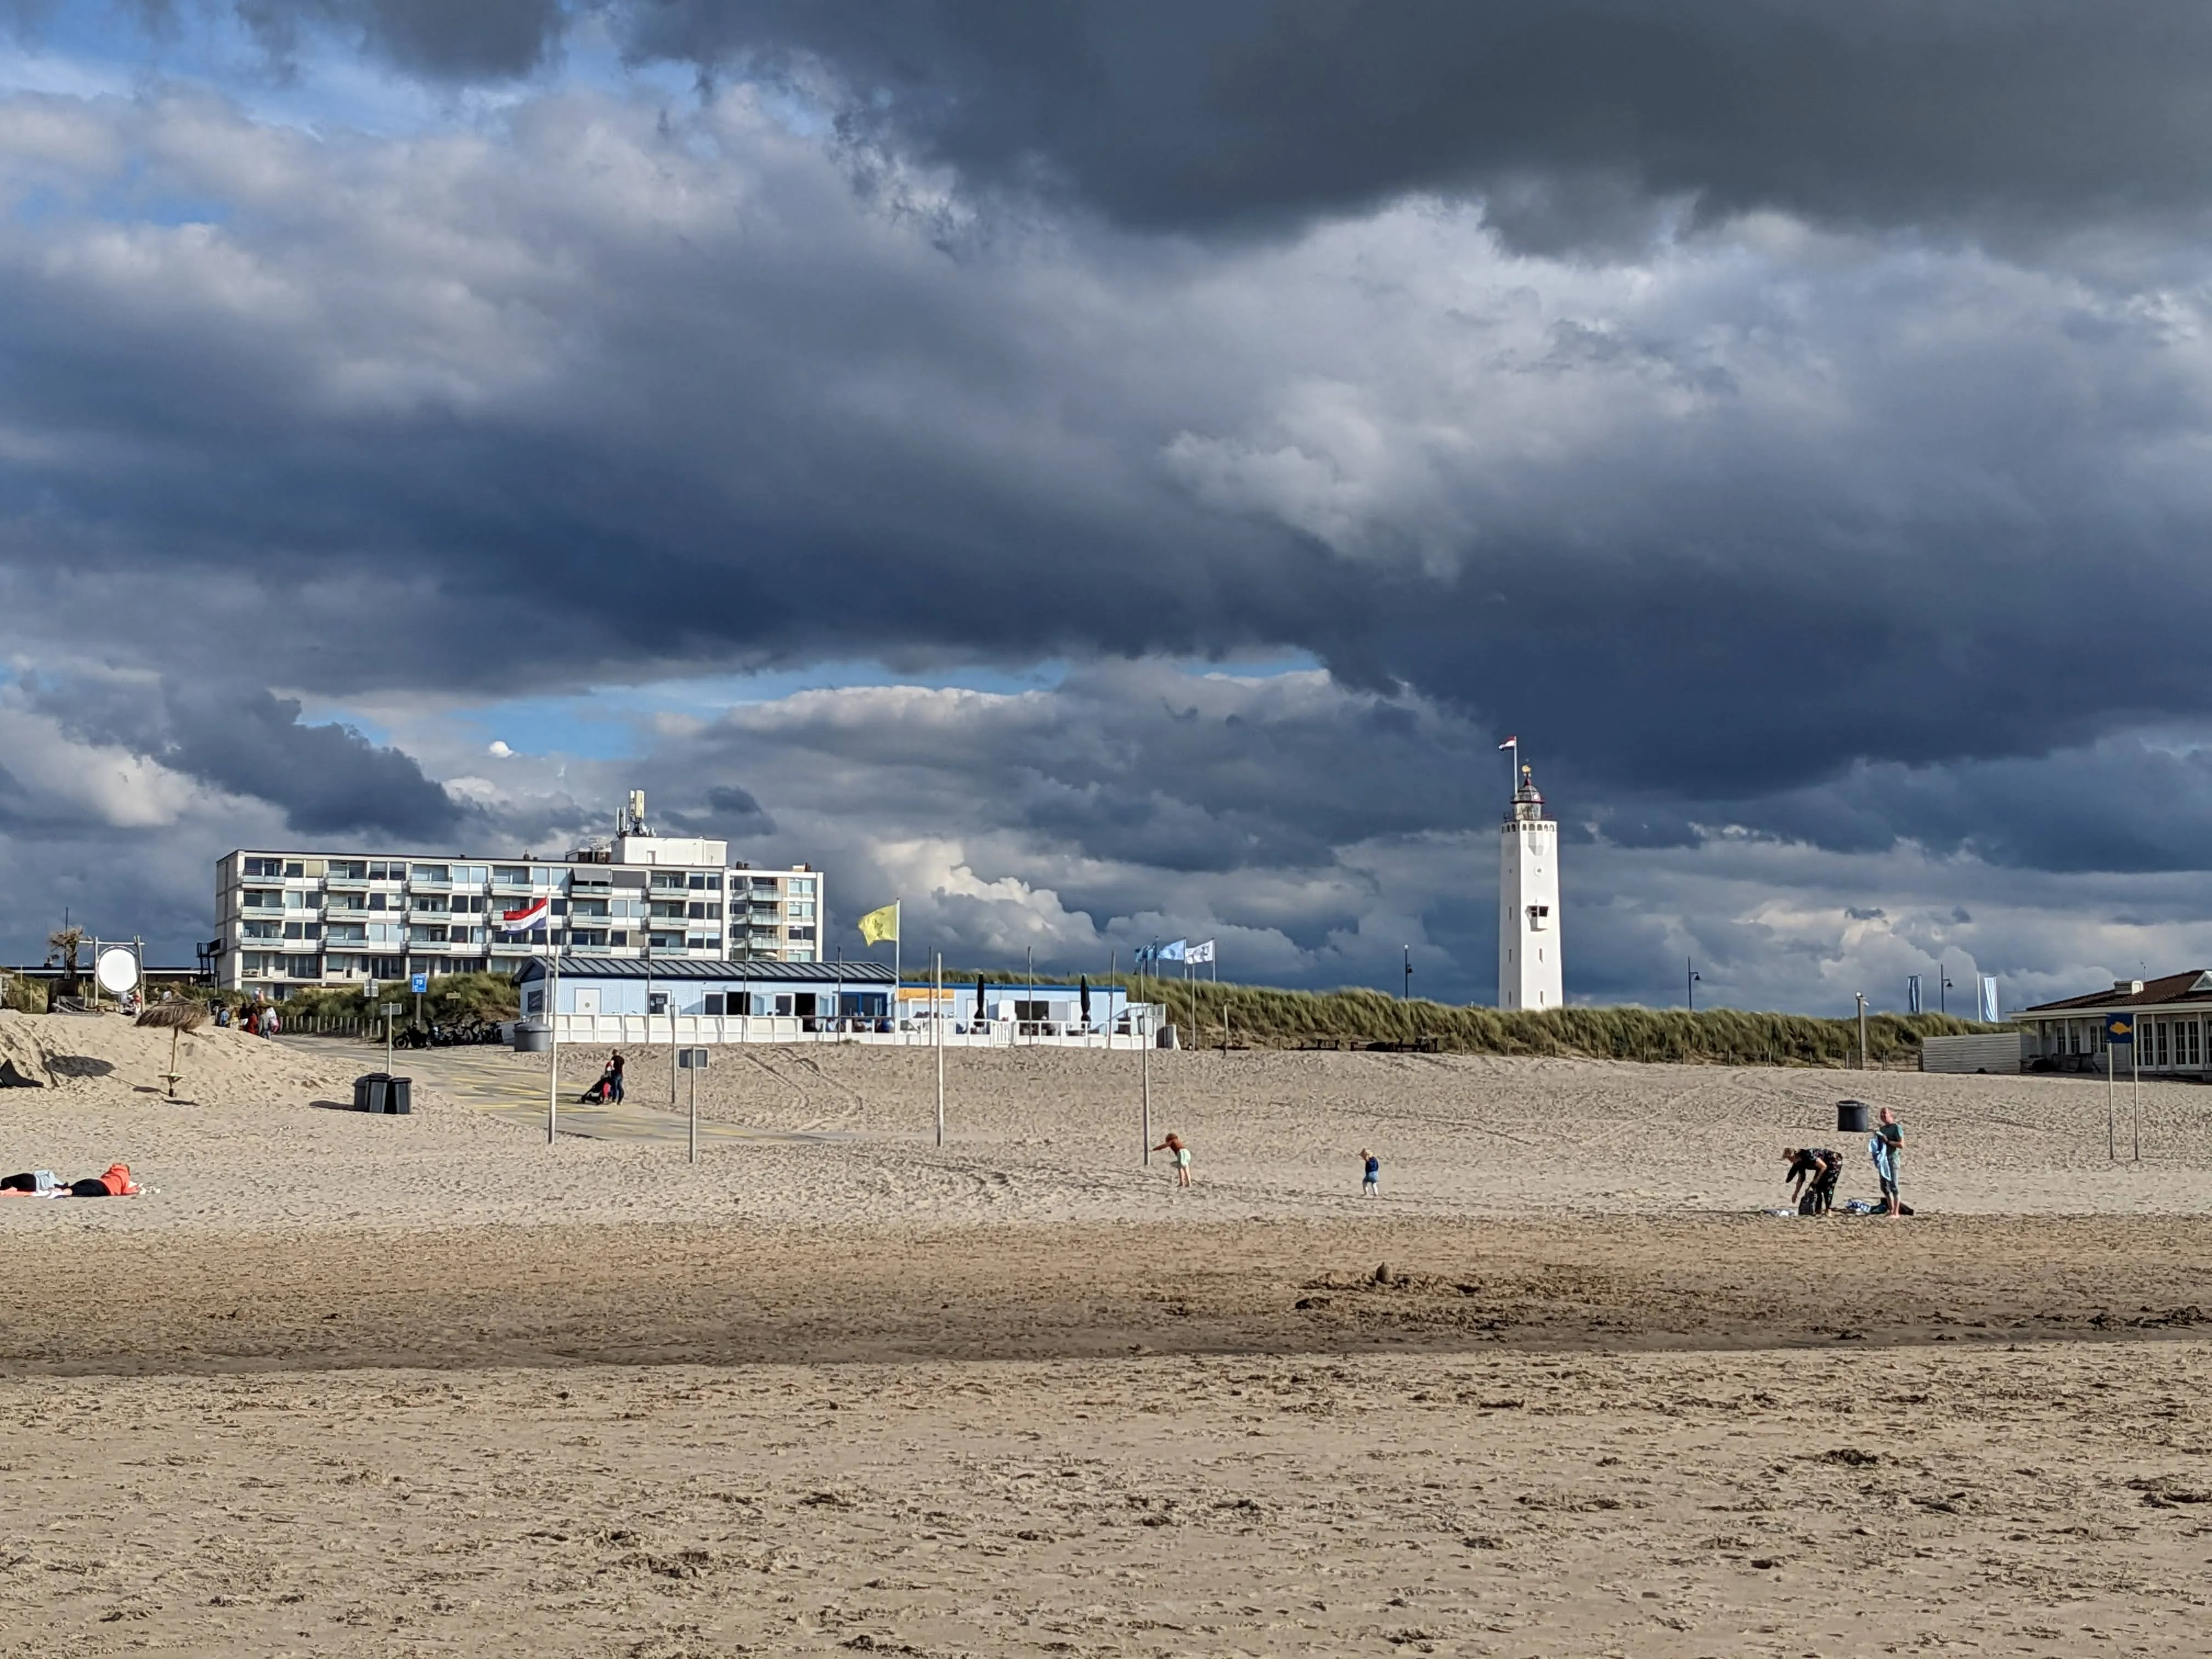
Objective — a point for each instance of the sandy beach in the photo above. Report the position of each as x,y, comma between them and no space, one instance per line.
358,1385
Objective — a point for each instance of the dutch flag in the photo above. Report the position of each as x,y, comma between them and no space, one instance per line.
531,915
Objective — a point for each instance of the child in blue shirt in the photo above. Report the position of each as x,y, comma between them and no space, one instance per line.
1371,1184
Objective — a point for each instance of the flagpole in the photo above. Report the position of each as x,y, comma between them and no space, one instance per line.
899,972
936,1028
553,1027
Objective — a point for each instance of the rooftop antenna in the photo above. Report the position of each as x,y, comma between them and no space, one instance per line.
632,819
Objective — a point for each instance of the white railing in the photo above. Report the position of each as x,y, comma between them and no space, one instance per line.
633,1029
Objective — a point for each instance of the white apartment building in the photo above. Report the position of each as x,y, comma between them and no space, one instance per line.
287,919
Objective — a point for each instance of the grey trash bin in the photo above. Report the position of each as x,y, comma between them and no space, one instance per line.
1170,1038
361,1088
532,1036
400,1095
1852,1117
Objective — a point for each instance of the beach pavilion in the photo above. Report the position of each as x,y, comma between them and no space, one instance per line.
2168,1017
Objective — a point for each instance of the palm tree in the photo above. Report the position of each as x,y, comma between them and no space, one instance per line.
61,946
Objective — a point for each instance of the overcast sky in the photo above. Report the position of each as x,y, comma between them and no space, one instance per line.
1117,470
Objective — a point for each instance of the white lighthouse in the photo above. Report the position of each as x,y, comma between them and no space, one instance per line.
1529,966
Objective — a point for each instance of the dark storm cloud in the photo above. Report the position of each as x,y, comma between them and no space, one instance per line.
1795,544
322,778
1577,121
442,41
1571,115
466,416
1139,763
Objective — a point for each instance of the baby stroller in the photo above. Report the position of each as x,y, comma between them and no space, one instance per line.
600,1092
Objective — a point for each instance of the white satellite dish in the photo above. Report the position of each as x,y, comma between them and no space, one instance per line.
117,970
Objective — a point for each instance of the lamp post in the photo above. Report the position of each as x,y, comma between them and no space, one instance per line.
1690,976
1406,992
1862,1036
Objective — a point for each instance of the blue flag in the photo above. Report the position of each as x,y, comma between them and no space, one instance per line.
1172,952
1912,993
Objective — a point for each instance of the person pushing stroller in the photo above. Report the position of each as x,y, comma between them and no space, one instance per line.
1814,1172
610,1085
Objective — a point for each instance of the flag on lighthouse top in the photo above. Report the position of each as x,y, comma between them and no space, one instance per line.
1511,743
533,914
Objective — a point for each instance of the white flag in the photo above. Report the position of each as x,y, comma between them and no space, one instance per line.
1202,952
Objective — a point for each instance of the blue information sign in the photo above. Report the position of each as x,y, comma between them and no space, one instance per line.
2119,1029
421,982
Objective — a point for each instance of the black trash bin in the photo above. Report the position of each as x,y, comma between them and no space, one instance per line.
384,1094
1852,1117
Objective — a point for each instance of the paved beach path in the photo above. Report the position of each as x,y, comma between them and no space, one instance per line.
486,1079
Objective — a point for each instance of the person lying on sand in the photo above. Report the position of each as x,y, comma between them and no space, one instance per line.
40,1183
1174,1144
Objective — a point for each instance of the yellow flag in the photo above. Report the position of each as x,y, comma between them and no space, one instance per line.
878,926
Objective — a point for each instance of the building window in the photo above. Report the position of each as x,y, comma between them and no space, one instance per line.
264,930
388,872
263,898
266,869
802,932
801,910
426,936
510,875
303,930
803,884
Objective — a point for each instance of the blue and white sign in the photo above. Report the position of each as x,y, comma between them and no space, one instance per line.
419,983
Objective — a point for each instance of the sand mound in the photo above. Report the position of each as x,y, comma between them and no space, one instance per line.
98,1051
